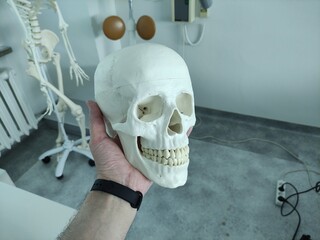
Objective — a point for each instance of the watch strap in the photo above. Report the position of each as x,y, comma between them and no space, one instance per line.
121,191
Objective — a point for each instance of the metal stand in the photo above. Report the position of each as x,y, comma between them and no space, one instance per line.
67,146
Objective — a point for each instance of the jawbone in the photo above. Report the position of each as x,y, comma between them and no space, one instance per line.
166,167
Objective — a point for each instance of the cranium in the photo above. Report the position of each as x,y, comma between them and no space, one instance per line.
145,94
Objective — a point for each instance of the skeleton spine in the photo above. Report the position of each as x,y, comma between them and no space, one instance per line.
35,30
30,19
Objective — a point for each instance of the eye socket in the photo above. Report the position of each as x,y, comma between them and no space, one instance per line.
184,104
150,109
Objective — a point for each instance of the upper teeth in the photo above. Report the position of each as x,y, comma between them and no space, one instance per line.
171,157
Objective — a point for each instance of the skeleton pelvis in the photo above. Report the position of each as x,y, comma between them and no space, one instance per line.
49,41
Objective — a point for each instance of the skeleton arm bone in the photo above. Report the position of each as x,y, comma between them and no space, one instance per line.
76,110
78,113
56,62
74,66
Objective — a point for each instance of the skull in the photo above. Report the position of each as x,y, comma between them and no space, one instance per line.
145,94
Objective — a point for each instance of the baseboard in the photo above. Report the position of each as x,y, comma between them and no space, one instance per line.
260,121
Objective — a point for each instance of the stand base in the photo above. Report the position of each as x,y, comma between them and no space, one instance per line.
67,147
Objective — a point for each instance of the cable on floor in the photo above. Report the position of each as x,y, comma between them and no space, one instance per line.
229,142
285,201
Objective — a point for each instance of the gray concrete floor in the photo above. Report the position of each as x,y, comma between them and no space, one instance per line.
230,192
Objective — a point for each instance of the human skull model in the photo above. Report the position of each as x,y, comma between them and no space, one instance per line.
145,94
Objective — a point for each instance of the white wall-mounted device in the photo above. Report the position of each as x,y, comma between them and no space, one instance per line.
183,10
188,10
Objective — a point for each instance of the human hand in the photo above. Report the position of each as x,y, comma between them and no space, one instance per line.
109,158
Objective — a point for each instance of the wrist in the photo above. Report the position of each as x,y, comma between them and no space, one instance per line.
134,198
108,214
130,182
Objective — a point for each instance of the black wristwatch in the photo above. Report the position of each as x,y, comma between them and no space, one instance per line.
116,189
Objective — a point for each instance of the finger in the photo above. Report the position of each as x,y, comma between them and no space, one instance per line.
97,127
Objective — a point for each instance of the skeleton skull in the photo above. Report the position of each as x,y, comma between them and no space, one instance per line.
146,96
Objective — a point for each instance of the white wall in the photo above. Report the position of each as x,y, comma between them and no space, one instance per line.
258,57
98,10
263,59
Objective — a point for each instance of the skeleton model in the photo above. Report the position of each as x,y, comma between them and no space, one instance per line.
39,45
146,96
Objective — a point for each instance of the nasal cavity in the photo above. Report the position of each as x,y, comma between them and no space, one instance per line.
175,125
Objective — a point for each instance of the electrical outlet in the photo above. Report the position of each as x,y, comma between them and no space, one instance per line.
280,193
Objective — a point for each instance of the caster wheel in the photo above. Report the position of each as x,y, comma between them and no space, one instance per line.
46,160
91,163
60,177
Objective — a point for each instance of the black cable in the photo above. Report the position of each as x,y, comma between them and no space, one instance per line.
305,237
286,200
294,206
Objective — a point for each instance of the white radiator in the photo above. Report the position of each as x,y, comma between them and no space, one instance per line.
16,115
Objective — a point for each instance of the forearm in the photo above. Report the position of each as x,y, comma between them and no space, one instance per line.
102,216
